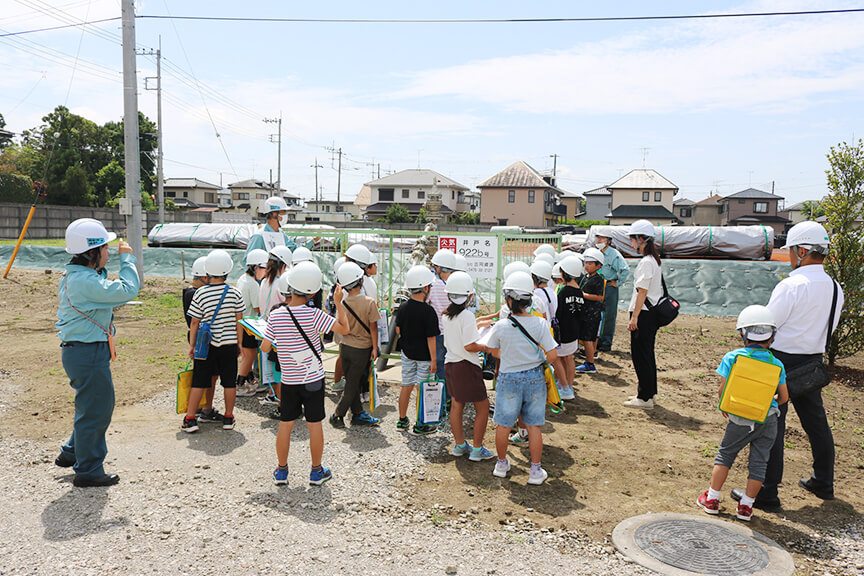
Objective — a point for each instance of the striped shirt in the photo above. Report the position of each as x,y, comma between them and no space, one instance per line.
298,362
224,326
438,300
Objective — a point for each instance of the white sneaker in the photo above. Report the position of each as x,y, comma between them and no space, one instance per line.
566,393
636,402
538,477
246,391
501,469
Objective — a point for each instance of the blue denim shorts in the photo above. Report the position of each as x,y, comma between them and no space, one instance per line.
414,371
521,393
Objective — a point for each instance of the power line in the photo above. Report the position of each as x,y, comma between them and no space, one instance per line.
50,28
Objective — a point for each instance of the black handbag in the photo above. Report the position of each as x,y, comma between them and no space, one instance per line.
813,374
666,309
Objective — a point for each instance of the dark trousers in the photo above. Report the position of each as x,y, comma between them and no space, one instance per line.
811,413
610,309
642,354
355,366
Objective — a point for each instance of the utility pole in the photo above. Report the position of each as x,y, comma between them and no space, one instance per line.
554,165
337,151
316,166
160,189
277,121
130,135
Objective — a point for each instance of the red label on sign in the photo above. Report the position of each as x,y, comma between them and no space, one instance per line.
447,243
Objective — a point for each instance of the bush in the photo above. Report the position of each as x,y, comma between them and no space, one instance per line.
586,223
15,188
397,214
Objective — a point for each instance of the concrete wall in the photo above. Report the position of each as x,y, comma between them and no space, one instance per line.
51,221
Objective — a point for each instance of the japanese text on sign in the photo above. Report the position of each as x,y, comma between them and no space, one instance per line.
481,252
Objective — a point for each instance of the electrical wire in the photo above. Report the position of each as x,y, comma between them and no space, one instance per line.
50,28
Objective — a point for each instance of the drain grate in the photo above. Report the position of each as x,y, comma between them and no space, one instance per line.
701,547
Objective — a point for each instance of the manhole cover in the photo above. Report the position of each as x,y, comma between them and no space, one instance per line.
700,547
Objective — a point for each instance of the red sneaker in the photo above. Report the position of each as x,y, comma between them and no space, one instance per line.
709,506
745,512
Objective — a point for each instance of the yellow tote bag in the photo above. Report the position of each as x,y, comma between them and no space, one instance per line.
750,388
553,398
184,386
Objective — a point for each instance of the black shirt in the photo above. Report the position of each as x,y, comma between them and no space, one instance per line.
570,304
592,285
417,321
188,293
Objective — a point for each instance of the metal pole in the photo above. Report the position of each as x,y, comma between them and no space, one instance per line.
130,135
279,159
160,191
339,178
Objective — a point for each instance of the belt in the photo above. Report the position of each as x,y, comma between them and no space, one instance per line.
77,343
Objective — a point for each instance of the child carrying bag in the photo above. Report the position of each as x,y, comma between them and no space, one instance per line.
553,398
430,401
184,387
205,331
750,387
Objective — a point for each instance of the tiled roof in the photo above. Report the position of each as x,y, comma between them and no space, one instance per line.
189,183
710,201
517,175
416,177
754,193
643,178
649,212
602,191
683,202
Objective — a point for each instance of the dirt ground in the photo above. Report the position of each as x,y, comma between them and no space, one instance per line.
605,462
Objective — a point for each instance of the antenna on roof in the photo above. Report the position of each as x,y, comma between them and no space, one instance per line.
645,151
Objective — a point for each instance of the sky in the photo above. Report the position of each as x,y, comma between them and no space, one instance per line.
714,105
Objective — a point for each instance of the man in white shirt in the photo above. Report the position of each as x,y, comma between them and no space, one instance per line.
801,304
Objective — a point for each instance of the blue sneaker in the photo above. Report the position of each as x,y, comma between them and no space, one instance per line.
566,393
480,453
318,477
280,476
365,419
586,368
461,449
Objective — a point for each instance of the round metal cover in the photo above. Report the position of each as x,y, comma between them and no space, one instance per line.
699,547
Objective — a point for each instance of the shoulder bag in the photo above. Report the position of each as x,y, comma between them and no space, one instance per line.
666,309
205,331
310,386
813,374
351,310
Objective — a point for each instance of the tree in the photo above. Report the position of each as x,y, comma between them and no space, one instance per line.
109,183
397,214
422,217
844,211
5,136
75,189
14,187
468,218
812,209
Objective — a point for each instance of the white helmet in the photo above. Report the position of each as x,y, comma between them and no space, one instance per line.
460,263
85,234
281,253
256,257
349,274
556,271
337,264
595,255
459,284
218,263
418,277
641,228
572,266
519,285
806,235
517,266
545,249
359,254
302,254
198,269
444,258
544,257
304,278
756,323
563,254
542,270
274,204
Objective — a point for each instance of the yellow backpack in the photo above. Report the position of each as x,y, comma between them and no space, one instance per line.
750,387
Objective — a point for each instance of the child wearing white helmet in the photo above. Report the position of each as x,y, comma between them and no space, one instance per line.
249,285
279,259
368,262
330,308
522,343
222,306
296,328
417,327
443,264
757,327
591,322
570,302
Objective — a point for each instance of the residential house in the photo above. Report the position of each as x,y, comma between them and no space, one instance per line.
249,196
752,207
363,199
684,211
598,203
331,211
468,202
795,213
574,204
191,193
642,194
521,196
709,212
411,188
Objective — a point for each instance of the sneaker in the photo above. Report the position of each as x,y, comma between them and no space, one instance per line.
275,414
64,460
639,403
365,419
424,429
337,421
280,476
580,352
710,506
767,504
246,390
461,449
261,387
270,400
566,393
211,415
402,423
318,477
606,349
537,477
744,513
339,386
227,422
597,354
501,468
586,368
480,453
189,425
518,440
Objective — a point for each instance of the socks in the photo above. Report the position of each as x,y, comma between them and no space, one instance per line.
713,494
282,467
535,466
747,501
502,462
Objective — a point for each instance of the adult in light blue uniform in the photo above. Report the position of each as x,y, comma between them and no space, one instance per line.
615,271
85,324
271,235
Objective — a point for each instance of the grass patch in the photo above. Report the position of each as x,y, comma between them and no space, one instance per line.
709,449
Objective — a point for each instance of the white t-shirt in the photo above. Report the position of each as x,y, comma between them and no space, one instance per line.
546,302
647,276
517,352
458,333
370,288
268,297
250,290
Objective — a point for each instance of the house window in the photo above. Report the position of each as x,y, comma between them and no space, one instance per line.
658,196
340,208
385,194
170,194
609,204
406,193
740,201
646,196
327,208
452,194
721,208
502,221
421,195
530,196
760,207
210,197
261,196
686,212
511,197
241,196
185,194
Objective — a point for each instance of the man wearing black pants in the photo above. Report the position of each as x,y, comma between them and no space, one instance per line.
802,307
